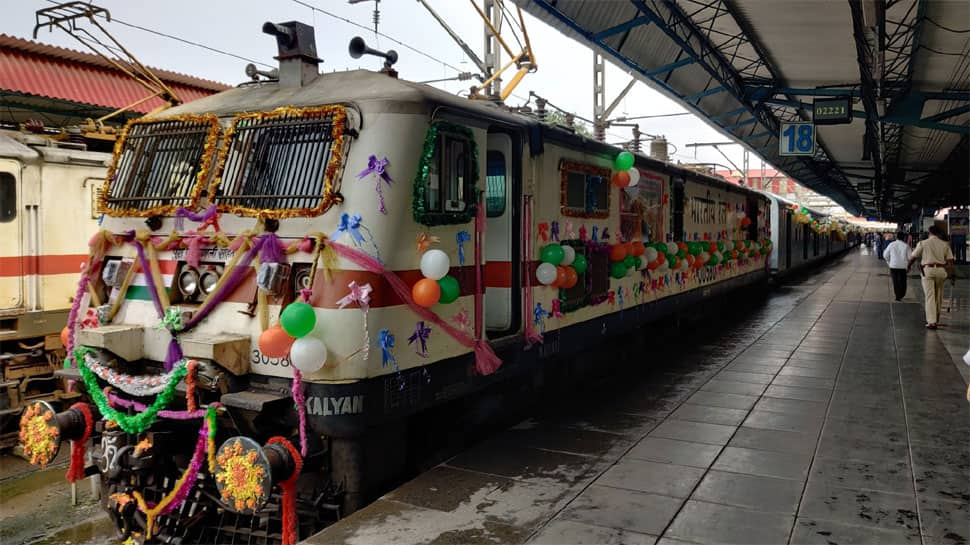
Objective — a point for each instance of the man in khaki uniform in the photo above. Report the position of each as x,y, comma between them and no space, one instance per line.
936,261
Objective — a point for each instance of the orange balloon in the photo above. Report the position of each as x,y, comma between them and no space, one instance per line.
618,252
426,292
661,257
571,278
561,277
637,248
64,334
734,254
682,246
621,179
275,343
653,264
712,246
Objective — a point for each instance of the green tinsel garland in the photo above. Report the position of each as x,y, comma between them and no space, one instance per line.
423,216
130,423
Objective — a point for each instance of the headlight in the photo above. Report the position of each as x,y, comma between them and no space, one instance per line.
208,281
188,281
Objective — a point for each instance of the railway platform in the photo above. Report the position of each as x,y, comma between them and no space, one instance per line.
827,415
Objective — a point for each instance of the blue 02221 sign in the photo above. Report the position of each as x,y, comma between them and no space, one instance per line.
796,139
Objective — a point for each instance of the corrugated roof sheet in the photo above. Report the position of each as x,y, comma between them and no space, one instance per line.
43,70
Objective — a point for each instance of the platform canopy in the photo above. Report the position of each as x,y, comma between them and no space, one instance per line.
900,67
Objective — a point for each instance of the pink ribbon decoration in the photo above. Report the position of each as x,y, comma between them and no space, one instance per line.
612,297
462,319
582,233
193,244
360,295
377,166
570,234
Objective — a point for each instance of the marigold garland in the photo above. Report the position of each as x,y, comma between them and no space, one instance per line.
39,438
208,152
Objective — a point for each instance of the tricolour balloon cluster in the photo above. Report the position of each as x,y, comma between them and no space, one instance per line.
293,339
561,266
626,257
626,174
437,286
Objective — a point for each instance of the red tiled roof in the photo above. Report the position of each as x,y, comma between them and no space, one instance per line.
55,72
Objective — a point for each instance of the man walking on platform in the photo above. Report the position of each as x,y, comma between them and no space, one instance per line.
936,261
897,256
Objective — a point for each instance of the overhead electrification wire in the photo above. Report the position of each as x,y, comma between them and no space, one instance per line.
381,34
183,40
953,30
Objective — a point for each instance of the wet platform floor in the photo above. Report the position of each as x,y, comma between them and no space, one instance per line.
826,415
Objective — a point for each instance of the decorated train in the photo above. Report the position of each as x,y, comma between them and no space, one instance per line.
289,270
802,237
48,187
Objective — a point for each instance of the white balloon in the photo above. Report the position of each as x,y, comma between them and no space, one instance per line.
672,248
634,177
705,257
546,274
308,354
435,264
650,254
568,255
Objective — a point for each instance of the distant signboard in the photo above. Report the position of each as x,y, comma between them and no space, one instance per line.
832,111
796,139
959,222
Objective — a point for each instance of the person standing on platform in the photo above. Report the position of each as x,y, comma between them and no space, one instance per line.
897,257
936,262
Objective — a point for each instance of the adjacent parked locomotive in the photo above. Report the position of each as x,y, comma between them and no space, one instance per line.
47,192
292,268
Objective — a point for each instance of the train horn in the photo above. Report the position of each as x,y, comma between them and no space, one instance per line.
358,48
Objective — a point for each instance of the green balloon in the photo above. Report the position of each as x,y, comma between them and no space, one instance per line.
629,261
747,244
450,290
618,269
580,264
681,254
298,319
720,246
637,262
624,161
552,254
713,260
695,249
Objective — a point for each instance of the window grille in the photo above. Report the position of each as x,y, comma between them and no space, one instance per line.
284,160
158,168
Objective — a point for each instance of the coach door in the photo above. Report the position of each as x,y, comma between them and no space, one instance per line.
503,160
13,267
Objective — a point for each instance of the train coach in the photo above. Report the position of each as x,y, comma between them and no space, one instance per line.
803,237
288,270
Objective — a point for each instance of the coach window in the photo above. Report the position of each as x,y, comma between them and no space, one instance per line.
8,197
444,189
495,184
585,190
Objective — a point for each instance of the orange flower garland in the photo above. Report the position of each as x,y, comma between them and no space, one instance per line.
241,477
38,435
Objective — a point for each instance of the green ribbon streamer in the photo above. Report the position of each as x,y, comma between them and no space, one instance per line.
136,423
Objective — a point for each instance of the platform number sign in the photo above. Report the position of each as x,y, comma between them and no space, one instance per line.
796,139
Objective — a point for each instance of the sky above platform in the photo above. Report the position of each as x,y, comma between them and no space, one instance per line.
564,76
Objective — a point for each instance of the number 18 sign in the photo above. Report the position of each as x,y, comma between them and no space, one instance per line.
796,139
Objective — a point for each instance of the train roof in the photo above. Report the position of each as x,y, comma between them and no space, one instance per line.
376,91
30,147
